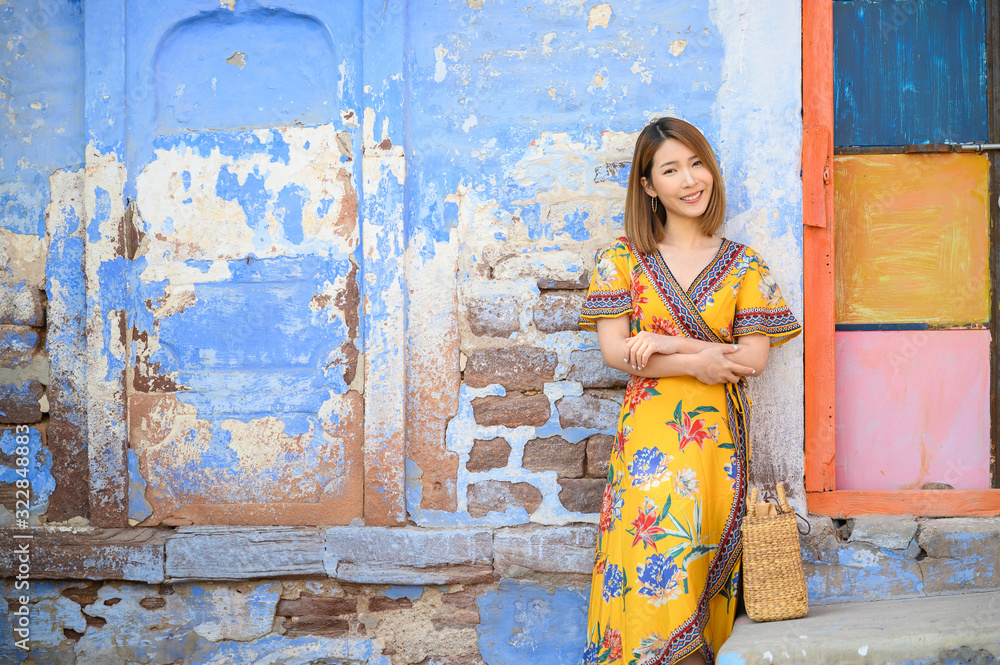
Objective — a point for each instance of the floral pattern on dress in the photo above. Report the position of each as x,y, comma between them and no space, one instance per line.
659,579
606,273
614,582
686,483
649,468
665,326
611,508
639,389
638,299
769,292
691,429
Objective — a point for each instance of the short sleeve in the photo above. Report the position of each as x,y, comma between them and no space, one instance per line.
609,295
760,308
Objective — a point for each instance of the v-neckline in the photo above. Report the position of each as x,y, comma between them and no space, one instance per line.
689,291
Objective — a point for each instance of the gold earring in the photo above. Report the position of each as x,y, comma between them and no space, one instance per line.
654,204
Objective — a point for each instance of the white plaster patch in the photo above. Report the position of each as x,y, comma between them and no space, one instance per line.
546,41
677,47
469,123
863,651
440,69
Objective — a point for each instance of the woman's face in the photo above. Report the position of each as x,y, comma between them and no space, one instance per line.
680,180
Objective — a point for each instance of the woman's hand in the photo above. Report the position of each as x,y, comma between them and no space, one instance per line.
638,349
712,366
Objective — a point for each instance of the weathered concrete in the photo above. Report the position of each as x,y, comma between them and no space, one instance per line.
376,555
890,531
921,631
568,549
240,553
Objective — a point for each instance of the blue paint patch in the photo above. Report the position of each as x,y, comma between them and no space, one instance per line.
294,651
450,215
37,471
533,624
252,196
412,592
42,92
324,206
138,507
102,212
574,226
186,179
17,346
288,210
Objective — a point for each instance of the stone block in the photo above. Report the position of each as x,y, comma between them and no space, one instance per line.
599,455
240,553
589,369
555,454
511,410
21,306
498,495
890,531
493,316
821,544
310,604
827,584
87,553
877,574
513,367
558,311
565,549
486,455
19,402
963,554
582,495
407,555
558,269
589,411
17,345
958,537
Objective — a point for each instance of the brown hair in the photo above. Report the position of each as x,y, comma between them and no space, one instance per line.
643,227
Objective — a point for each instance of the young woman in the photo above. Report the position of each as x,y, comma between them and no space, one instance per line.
688,315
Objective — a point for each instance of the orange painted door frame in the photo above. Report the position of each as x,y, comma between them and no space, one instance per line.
818,280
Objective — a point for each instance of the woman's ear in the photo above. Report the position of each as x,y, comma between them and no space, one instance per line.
648,187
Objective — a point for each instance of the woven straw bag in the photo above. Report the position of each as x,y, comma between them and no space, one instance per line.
774,585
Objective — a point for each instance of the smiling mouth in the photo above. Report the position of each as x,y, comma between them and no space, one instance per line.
692,198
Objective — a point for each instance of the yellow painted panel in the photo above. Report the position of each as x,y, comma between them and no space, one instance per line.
912,238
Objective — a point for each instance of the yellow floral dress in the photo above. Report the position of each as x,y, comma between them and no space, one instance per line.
668,553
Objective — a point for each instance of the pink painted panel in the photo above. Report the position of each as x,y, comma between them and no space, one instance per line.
913,407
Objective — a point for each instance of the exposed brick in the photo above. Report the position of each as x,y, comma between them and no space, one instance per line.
384,604
599,455
566,549
486,455
554,454
496,316
513,367
17,345
589,369
317,625
511,410
582,495
588,411
19,402
499,495
557,311
22,306
458,610
309,604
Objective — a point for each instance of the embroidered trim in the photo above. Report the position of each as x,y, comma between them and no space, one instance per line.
768,321
716,272
605,304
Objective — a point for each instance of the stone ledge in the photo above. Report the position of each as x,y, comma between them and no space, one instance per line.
241,553
564,549
409,555
86,553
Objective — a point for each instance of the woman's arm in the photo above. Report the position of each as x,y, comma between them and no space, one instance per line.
754,350
710,364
